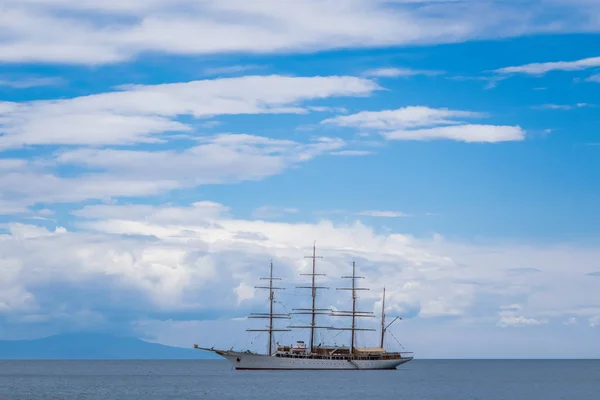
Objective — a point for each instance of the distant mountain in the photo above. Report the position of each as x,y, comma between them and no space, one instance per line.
81,346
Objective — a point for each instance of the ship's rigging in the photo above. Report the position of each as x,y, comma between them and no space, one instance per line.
313,312
323,356
354,314
270,315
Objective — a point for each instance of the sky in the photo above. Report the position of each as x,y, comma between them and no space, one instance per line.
156,156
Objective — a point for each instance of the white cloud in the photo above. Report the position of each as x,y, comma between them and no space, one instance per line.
222,158
225,158
381,213
25,83
95,32
340,110
231,69
139,113
399,72
491,81
594,321
196,213
562,106
543,68
407,117
351,153
508,321
403,124
594,78
510,317
463,133
244,292
171,261
554,107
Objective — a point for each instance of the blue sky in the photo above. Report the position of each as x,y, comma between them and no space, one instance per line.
157,154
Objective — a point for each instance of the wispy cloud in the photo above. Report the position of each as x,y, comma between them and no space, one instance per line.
594,78
340,110
407,117
84,32
210,124
463,133
25,83
523,271
351,153
519,321
543,68
562,106
270,212
218,159
144,113
231,69
382,214
399,72
491,81
424,123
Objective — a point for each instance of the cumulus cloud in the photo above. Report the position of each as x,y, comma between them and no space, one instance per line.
141,113
97,32
424,123
169,262
152,269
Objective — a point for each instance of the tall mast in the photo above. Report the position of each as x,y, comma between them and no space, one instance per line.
382,317
271,316
354,314
271,298
353,304
384,327
312,311
314,297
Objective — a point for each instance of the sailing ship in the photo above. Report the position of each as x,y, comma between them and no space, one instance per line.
316,357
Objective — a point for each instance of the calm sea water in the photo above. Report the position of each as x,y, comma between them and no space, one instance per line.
418,380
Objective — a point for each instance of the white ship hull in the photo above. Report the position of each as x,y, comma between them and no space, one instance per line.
252,361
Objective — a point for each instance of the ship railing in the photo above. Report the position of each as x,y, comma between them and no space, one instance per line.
381,356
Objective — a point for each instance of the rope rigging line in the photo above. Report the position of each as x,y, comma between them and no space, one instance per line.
397,341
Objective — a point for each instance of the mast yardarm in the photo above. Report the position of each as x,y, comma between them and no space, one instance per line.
354,313
270,315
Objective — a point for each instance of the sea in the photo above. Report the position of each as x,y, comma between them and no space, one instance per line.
215,379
